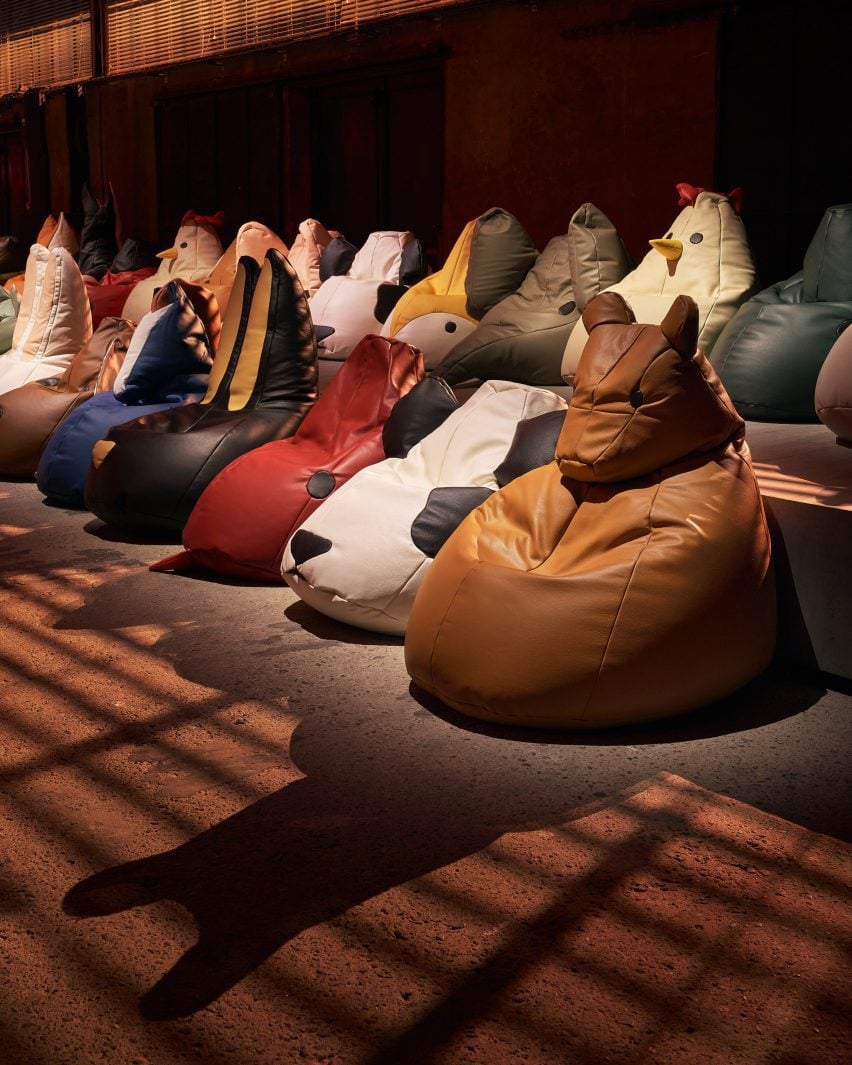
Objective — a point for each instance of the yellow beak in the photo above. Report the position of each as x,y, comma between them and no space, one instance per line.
169,253
669,249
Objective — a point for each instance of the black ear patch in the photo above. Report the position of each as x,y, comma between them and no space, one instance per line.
413,266
387,297
307,545
321,484
445,510
336,258
322,332
417,414
533,445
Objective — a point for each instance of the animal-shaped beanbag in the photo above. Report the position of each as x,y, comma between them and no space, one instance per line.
346,307
8,317
246,515
361,556
195,252
98,246
54,233
631,578
167,362
705,255
29,414
490,259
522,337
305,253
253,239
833,396
150,472
54,320
771,352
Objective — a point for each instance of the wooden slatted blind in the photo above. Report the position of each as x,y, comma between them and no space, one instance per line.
149,33
44,43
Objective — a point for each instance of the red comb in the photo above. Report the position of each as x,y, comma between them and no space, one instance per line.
214,220
688,194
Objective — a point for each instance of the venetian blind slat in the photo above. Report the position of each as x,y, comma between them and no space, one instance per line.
44,43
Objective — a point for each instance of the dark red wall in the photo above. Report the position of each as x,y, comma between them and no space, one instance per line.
542,106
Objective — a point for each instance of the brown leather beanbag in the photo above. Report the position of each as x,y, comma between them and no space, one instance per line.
631,578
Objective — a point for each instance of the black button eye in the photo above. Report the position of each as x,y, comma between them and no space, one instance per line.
185,244
568,307
636,398
696,238
669,236
450,327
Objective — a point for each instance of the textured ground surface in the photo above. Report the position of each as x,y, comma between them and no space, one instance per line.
231,834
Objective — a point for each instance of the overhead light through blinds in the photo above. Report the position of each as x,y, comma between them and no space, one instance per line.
151,33
44,43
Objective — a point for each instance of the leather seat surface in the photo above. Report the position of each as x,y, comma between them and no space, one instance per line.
374,561
628,579
771,352
151,472
243,519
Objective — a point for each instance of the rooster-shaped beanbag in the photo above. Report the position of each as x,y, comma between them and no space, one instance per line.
54,320
195,252
347,306
150,472
522,337
490,259
29,414
361,556
705,255
247,514
770,355
167,362
629,579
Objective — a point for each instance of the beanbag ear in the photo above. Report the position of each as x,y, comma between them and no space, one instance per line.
827,269
501,255
167,343
413,266
306,252
596,254
54,319
336,258
680,326
97,241
416,415
609,308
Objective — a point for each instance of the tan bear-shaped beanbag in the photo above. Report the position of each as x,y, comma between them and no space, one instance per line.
705,255
631,578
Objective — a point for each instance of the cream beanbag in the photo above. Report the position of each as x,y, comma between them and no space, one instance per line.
346,304
54,320
360,557
705,254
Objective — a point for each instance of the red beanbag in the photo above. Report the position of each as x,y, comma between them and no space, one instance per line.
107,297
246,515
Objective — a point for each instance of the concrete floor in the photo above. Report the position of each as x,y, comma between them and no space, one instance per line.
274,781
